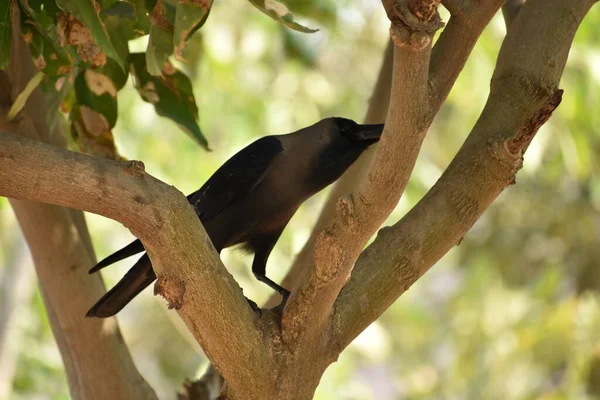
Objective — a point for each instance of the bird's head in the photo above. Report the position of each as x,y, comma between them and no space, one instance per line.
340,142
356,133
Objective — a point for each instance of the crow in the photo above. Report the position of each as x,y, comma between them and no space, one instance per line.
250,199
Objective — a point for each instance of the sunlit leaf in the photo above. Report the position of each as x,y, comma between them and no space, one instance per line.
171,94
22,97
5,33
85,11
281,13
190,15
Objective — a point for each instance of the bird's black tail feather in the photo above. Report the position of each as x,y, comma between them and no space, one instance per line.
137,279
127,251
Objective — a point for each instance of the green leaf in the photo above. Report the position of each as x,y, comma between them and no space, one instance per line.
171,95
120,20
85,12
98,92
142,25
48,56
5,33
170,7
160,43
91,134
280,12
107,3
95,111
150,4
160,47
115,73
43,12
190,15
39,29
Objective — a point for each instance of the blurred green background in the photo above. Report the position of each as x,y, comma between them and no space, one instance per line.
511,313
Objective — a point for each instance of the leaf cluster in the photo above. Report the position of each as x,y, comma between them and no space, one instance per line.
82,48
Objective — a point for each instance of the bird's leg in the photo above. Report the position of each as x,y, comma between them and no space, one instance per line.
285,294
259,267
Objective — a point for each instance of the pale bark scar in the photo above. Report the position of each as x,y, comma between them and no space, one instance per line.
171,290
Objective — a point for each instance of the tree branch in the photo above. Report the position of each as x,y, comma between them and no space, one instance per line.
452,49
339,244
62,253
376,112
448,58
190,273
523,95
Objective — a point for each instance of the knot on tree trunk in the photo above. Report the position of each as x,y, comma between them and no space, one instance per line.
519,143
414,23
425,10
135,168
509,151
172,290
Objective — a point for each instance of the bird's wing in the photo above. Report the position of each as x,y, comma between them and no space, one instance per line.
236,178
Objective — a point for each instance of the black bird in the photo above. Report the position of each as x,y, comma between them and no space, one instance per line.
251,198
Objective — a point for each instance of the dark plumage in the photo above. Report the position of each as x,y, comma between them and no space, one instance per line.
250,199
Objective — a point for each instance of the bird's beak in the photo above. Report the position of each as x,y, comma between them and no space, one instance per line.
370,133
